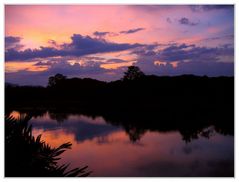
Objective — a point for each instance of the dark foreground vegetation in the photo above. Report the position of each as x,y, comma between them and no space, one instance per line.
29,156
137,102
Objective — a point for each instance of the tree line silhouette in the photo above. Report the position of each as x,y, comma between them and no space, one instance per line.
135,90
138,102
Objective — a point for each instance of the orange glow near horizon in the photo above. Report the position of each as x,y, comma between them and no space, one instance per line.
113,36
17,66
116,65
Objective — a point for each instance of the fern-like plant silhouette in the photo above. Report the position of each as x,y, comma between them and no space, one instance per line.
29,156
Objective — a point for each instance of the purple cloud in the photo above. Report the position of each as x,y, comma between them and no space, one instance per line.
202,8
185,52
219,38
79,46
12,42
28,54
169,20
110,61
130,31
186,21
54,44
191,52
190,59
89,68
199,68
101,34
40,63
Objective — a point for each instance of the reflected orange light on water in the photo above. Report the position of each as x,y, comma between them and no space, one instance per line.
56,138
108,150
111,150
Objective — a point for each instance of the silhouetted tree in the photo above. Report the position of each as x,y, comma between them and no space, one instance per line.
133,73
54,80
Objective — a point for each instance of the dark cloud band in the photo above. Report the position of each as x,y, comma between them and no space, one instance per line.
79,46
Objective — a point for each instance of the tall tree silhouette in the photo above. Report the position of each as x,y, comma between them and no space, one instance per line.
133,73
54,80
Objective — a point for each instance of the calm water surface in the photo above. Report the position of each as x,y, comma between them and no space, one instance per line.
109,151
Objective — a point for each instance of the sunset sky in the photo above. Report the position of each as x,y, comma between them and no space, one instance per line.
100,41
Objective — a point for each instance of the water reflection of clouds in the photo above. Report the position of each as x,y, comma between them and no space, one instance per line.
153,158
47,117
82,127
108,151
201,157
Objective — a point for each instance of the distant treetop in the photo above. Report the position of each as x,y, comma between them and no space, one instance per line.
133,73
53,80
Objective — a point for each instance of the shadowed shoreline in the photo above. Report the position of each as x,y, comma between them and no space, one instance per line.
137,102
192,105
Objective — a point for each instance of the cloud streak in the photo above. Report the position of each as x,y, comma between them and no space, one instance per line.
130,31
102,35
79,46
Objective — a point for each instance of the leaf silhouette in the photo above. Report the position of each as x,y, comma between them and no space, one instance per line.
27,155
